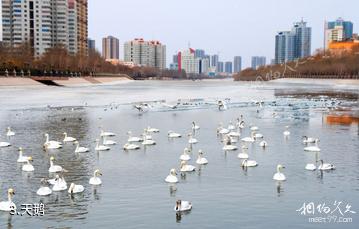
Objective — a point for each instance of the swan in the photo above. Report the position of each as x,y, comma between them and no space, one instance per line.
4,144
133,139
229,147
54,168
108,142
240,123
80,149
257,135
249,139
222,106
201,160
60,184
8,205
310,167
130,146
152,130
28,167
68,139
308,140
95,180
185,156
51,144
325,166
279,176
222,130
286,133
314,148
147,141
186,168
9,132
107,134
172,177
21,158
172,134
44,190
192,140
75,188
182,206
243,154
101,147
263,144
195,127
249,163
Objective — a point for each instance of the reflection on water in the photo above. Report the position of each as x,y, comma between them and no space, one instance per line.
134,194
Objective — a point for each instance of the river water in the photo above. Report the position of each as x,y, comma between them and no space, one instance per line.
133,193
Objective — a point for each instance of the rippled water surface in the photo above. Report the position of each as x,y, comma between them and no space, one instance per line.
134,194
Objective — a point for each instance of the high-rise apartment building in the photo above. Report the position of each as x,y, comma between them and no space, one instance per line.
45,24
110,48
337,31
145,53
258,61
294,44
228,67
214,60
91,44
220,67
237,64
200,53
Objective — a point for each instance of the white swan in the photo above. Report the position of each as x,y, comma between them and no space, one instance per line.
60,184
249,139
80,149
152,130
263,144
222,130
185,156
172,177
222,105
95,180
249,163
191,139
9,132
243,154
308,140
231,126
54,168
310,167
28,167
201,160
101,147
172,134
74,188
286,133
68,139
195,127
325,166
108,142
44,190
133,139
254,128
279,176
257,135
107,134
130,146
4,144
8,205
147,141
21,158
314,148
186,168
51,144
182,206
240,123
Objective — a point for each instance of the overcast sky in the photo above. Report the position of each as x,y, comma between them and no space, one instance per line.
227,27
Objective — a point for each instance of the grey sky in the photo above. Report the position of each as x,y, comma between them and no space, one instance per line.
227,27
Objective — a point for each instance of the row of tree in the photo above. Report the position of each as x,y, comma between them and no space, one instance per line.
57,61
320,65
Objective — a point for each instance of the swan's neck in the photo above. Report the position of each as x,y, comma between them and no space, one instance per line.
278,170
51,163
9,197
97,144
65,135
47,138
77,146
95,175
28,162
20,153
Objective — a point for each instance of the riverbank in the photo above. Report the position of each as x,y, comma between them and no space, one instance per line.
67,82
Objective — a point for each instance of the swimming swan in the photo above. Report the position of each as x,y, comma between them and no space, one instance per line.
191,139
60,184
172,177
249,163
201,160
325,166
28,167
68,139
101,147
75,188
286,133
9,132
44,190
133,139
54,168
185,156
95,180
108,142
8,205
172,134
21,158
279,176
186,168
314,148
80,149
182,206
51,144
